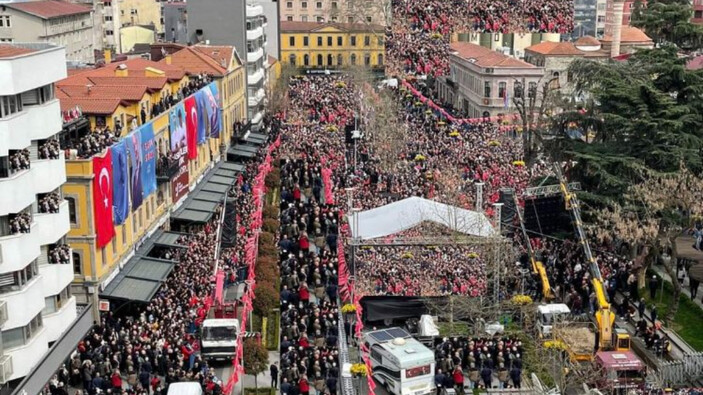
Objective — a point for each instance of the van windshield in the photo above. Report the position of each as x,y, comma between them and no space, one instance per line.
218,333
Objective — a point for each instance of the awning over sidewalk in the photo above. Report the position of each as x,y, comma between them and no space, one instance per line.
168,239
239,151
202,203
139,280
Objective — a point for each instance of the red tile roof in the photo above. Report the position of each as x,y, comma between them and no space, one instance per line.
272,60
10,51
123,92
293,26
90,106
485,57
220,53
587,41
173,73
630,34
152,83
48,9
195,62
695,63
555,49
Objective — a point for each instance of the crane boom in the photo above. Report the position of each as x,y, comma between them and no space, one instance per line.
537,266
604,316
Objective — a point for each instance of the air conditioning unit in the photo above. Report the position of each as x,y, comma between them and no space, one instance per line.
3,313
5,368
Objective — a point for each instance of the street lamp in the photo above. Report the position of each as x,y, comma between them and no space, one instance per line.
356,135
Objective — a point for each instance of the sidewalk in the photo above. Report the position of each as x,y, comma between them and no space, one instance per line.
264,379
661,272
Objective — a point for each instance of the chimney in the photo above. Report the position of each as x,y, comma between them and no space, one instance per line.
617,27
168,59
121,71
108,56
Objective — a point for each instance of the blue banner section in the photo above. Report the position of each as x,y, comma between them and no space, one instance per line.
201,101
213,113
120,188
148,159
134,149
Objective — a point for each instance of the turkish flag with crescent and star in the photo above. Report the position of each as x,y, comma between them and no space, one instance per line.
102,199
192,127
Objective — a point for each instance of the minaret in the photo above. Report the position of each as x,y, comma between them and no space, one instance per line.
617,27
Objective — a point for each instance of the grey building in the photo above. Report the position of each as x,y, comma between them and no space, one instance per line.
272,14
585,16
175,22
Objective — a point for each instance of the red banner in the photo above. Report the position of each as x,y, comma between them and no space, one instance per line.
102,199
191,127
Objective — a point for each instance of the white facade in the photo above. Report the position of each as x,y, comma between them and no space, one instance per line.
35,302
256,62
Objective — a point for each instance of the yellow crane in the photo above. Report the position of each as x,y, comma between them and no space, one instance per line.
537,266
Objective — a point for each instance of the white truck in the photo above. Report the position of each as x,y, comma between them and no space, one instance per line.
401,363
218,338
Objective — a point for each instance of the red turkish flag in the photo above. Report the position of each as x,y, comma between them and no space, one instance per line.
102,199
191,127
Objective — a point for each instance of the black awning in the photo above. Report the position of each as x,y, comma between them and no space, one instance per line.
236,167
240,153
136,289
212,187
194,217
140,278
169,239
201,204
248,148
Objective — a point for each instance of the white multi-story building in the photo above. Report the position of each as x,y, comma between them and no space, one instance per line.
256,63
36,270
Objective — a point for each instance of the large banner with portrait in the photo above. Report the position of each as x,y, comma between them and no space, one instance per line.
120,185
148,159
212,99
179,149
134,150
201,102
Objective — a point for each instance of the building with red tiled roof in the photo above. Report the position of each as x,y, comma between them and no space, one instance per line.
37,21
631,39
483,82
11,51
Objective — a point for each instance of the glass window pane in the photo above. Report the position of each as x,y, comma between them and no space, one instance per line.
49,305
13,338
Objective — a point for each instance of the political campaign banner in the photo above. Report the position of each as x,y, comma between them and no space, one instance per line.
201,101
179,149
134,150
102,199
213,109
148,159
120,184
191,126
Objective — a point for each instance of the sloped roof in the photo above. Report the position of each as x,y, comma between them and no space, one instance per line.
630,34
152,83
294,26
90,106
485,57
587,41
555,49
219,53
408,213
123,92
48,9
194,62
10,51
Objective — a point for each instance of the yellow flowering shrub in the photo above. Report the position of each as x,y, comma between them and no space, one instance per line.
454,133
521,300
420,157
519,163
555,345
348,308
358,369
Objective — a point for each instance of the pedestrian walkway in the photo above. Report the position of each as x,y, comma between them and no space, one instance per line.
661,272
264,379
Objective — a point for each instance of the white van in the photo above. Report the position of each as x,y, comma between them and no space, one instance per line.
218,338
185,388
400,362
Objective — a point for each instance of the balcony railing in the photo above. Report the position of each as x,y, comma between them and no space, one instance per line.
5,368
3,313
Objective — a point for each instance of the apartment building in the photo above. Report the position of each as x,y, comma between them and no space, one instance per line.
697,12
482,82
611,12
175,22
376,12
331,45
37,307
50,21
585,18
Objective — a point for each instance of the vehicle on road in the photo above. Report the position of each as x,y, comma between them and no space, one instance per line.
218,338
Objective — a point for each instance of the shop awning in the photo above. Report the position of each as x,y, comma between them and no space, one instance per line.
255,138
190,216
169,239
139,280
201,204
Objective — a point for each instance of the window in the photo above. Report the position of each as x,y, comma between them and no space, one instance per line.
350,19
289,18
380,40
319,41
306,60
20,336
291,41
304,4
353,59
319,60
108,18
291,59
10,105
306,41
353,41
77,267
486,89
517,90
304,18
329,41
5,21
133,11
367,41
318,5
368,19
502,89
289,4
124,235
334,19
340,41
698,14
367,60
334,5
113,243
320,19
380,59
532,90
108,32
72,216
340,60
14,281
330,59
49,305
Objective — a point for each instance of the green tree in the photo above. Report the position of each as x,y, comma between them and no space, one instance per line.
256,359
266,298
668,21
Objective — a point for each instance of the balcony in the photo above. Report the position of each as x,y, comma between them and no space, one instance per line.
55,278
5,368
23,194
3,314
61,320
24,304
255,99
252,57
17,250
165,170
48,174
253,79
24,358
44,119
255,33
50,228
13,132
254,10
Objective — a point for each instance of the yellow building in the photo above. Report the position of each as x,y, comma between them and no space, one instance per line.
131,35
225,66
331,45
140,12
125,96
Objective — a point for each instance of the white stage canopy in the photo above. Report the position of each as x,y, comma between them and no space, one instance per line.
408,213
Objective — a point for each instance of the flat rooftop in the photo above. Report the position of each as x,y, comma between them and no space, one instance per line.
11,51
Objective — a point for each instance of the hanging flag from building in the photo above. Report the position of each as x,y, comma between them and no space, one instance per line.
148,159
201,101
134,149
506,99
213,110
120,186
102,199
191,126
179,149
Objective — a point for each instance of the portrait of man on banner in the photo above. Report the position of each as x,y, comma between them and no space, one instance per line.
179,148
177,126
201,101
213,110
134,149
148,159
120,185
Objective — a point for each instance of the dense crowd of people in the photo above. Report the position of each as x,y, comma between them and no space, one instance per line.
418,38
50,149
49,203
60,254
90,144
20,223
19,160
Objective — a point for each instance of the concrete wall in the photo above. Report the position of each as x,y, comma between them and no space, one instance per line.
222,22
175,24
272,28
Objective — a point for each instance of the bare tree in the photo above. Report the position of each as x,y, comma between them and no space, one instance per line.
361,10
277,91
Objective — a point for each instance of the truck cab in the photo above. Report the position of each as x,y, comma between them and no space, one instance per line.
218,338
548,315
622,371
